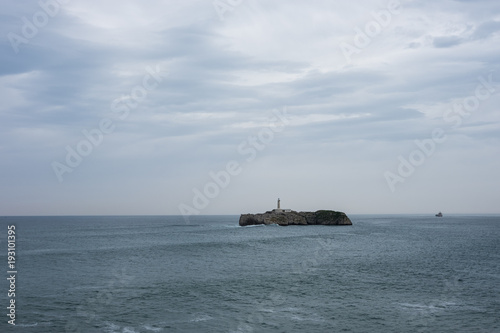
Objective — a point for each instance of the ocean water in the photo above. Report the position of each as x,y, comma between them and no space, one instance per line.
395,273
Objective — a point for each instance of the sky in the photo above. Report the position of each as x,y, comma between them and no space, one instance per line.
222,107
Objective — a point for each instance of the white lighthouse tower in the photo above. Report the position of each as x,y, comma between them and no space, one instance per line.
279,210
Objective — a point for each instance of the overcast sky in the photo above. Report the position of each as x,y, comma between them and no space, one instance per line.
319,103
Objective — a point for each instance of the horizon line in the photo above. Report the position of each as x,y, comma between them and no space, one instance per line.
179,215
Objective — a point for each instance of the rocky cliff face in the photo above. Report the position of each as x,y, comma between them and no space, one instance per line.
321,217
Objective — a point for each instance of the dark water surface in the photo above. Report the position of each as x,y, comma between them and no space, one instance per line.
403,273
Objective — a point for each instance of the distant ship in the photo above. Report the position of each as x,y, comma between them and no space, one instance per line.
439,214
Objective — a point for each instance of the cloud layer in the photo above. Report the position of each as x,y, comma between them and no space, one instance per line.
360,82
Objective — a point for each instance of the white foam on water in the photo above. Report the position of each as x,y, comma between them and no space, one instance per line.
295,317
267,310
243,328
419,307
111,328
429,308
114,328
151,328
129,330
27,325
202,317
301,314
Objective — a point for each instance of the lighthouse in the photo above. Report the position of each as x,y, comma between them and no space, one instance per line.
279,210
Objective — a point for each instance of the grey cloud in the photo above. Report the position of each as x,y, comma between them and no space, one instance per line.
447,41
486,29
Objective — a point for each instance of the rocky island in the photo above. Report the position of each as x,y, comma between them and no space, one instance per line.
285,217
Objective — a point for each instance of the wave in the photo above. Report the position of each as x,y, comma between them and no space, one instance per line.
184,225
429,307
114,328
27,325
201,317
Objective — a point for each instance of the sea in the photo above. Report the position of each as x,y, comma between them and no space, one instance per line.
131,274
